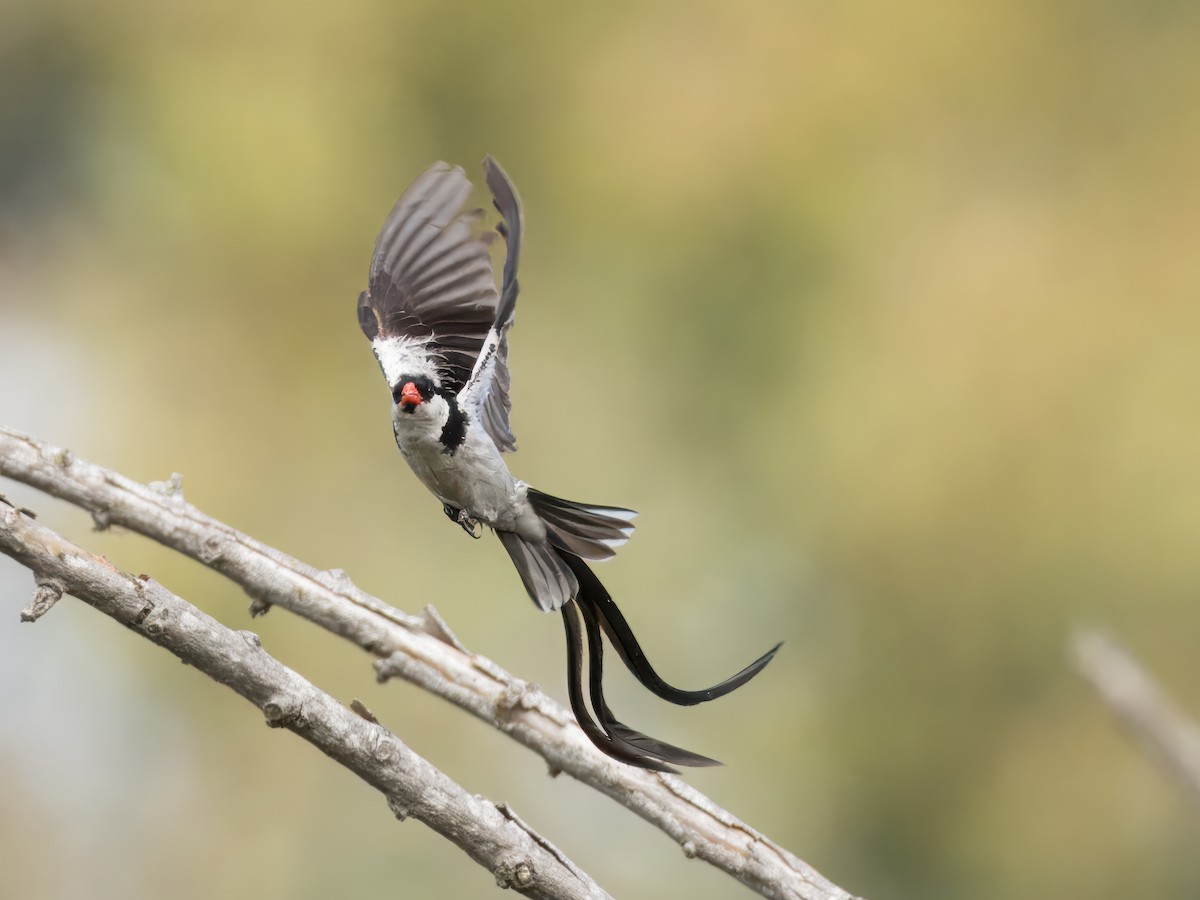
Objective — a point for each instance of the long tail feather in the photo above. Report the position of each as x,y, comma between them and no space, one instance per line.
615,747
616,729
556,576
611,620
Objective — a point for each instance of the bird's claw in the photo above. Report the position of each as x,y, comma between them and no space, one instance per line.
464,520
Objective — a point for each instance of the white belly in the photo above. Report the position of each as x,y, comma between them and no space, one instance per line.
474,478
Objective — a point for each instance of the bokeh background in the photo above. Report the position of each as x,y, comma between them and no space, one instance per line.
883,316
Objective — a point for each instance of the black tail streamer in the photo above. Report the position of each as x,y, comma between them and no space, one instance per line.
615,746
592,593
595,610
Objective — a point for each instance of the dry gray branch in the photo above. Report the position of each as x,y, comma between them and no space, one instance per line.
421,650
491,835
1158,724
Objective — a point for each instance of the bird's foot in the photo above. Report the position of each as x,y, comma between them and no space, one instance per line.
464,520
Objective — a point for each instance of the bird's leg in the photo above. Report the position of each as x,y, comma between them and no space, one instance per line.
464,520
470,524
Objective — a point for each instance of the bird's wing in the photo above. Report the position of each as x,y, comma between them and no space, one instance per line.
486,391
431,299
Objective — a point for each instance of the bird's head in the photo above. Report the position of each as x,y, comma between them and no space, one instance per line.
410,391
416,399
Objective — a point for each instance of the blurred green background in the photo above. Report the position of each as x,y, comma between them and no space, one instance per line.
884,317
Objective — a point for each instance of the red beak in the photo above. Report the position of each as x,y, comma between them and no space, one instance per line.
410,397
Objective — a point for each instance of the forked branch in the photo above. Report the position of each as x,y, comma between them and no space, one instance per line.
421,650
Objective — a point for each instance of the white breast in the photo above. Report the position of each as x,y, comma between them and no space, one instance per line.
474,478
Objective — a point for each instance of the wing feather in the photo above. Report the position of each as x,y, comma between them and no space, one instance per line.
432,305
431,294
488,387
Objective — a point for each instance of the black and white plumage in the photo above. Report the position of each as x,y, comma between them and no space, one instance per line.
439,329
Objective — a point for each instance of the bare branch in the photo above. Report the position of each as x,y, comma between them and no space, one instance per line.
422,651
1154,720
492,836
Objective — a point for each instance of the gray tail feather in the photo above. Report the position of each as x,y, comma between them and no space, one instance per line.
547,578
582,529
578,529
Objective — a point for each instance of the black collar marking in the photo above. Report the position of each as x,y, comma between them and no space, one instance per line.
455,430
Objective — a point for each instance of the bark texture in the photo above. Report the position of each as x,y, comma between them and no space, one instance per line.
423,651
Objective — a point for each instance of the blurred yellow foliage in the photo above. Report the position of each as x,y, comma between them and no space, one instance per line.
883,316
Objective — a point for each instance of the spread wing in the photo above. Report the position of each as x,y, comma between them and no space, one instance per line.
487,389
431,301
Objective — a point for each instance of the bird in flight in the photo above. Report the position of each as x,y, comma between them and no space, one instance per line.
439,329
